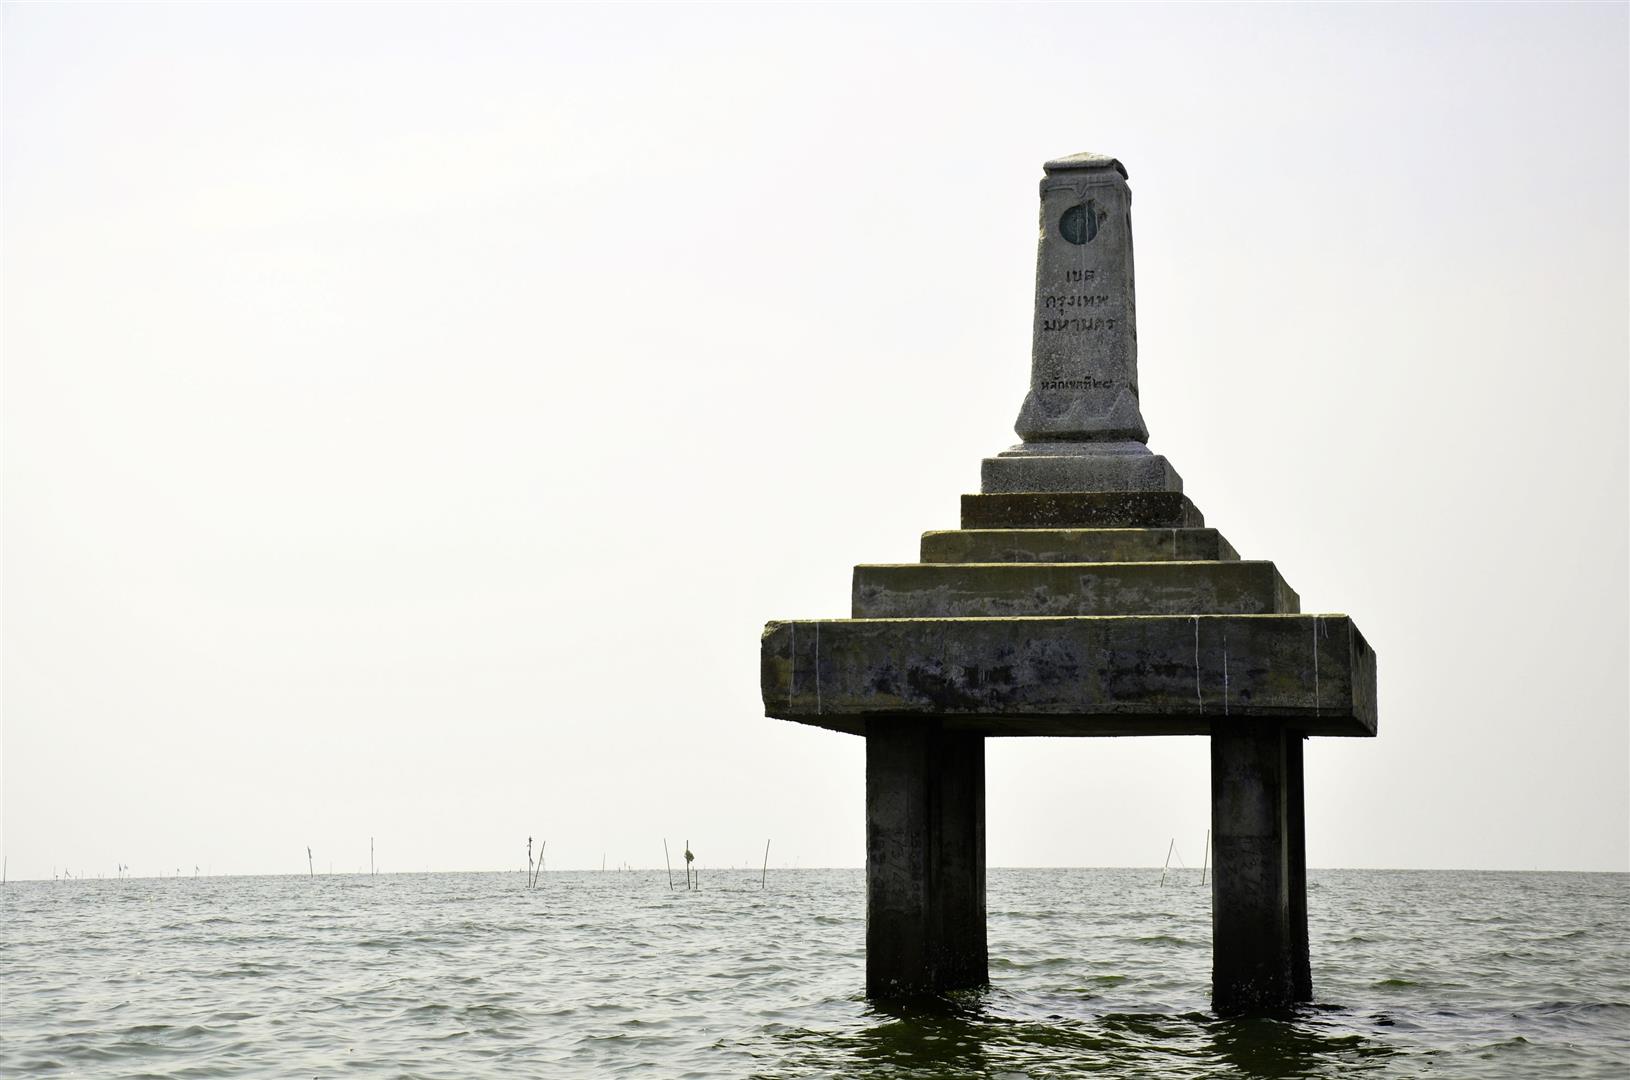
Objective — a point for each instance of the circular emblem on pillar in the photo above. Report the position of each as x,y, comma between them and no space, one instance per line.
1079,223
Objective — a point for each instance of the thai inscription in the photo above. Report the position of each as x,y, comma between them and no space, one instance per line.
1074,300
1066,312
1089,382
1077,326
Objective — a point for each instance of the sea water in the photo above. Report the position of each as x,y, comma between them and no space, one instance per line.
1416,973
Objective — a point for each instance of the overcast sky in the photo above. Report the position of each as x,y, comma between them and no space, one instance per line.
413,414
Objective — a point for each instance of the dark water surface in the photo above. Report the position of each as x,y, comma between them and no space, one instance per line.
1442,974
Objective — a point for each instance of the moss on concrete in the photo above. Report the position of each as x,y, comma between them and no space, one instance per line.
1075,545
913,590
1081,510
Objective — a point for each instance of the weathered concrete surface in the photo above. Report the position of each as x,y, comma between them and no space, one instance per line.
972,590
1075,545
1081,510
1081,466
1259,953
1134,675
1084,349
925,859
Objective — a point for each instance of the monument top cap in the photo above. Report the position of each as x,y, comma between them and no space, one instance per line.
1085,160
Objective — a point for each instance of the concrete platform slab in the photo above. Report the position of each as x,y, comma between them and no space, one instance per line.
972,590
1076,467
1081,510
1074,545
1078,676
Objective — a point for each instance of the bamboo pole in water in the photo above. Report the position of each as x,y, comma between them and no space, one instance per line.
1205,860
1168,861
310,872
668,863
764,875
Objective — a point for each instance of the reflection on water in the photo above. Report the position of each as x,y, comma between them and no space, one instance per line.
1093,971
1307,1045
993,1034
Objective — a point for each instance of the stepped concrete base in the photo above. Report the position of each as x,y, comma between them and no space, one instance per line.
925,860
1075,545
1074,613
971,590
1081,510
1083,676
1078,466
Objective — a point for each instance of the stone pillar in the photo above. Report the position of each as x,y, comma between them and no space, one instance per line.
1081,423
1253,944
1084,345
925,859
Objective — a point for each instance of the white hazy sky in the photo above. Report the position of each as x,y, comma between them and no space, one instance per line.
413,413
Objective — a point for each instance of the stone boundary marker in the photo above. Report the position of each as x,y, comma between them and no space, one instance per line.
1083,596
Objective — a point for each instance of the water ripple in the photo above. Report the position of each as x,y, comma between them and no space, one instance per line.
1096,972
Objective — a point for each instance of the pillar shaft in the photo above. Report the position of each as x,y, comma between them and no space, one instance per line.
1259,904
1084,353
925,859
1301,972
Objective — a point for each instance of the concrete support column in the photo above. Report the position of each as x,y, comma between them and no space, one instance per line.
1258,898
925,859
1301,971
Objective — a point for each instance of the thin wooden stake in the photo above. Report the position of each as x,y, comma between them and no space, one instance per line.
1168,862
1205,860
668,863
764,875
309,871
